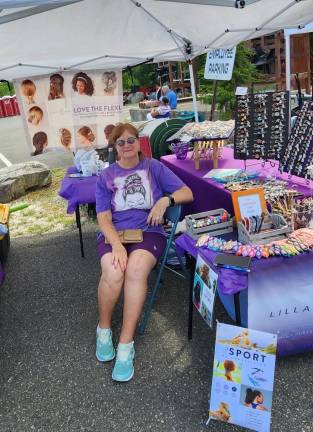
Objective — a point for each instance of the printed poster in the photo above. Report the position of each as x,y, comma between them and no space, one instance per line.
70,110
243,377
204,289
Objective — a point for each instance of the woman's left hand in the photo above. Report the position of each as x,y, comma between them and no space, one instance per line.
157,212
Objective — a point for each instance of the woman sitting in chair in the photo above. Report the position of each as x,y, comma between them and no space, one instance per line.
162,111
132,193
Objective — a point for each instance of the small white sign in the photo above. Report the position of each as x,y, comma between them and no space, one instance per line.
250,205
219,64
241,91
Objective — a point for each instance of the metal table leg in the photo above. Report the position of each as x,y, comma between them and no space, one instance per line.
192,265
237,308
78,224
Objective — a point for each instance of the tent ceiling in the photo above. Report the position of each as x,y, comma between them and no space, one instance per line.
97,34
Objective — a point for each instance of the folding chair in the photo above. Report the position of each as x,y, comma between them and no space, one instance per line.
172,215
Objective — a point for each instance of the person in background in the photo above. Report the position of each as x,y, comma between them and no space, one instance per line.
161,111
107,132
171,96
132,193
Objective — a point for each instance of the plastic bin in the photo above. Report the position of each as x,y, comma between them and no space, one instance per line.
1,109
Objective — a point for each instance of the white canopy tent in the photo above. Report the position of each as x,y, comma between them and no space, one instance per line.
42,37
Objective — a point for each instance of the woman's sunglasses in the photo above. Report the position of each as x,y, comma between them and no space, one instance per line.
130,140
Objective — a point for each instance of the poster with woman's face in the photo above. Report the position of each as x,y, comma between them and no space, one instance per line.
62,103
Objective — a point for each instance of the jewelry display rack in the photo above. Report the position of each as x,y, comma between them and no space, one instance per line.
261,125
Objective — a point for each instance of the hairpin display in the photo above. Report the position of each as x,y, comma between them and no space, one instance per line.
261,125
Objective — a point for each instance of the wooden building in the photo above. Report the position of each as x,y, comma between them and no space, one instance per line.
270,58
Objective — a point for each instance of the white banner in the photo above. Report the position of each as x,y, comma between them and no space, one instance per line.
204,289
69,110
219,64
243,377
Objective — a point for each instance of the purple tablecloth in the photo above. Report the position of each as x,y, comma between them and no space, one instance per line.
278,289
210,195
78,190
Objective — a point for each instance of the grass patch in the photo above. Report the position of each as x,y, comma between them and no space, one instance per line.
46,211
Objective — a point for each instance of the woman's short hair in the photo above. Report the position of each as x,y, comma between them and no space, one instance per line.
35,115
82,76
65,137
165,89
39,141
87,133
119,129
56,87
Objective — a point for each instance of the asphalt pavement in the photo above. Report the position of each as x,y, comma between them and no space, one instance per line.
50,380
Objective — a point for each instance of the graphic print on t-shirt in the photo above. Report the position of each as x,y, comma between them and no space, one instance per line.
132,191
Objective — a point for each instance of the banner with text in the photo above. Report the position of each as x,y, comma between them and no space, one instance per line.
70,110
219,64
204,289
281,301
243,377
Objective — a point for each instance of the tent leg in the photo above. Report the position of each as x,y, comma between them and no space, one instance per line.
193,92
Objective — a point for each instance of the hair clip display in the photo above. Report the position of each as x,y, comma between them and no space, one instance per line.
298,154
300,241
261,125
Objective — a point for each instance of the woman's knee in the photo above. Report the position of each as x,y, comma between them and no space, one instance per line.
139,267
110,275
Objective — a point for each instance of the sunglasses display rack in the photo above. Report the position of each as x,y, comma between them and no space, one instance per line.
261,125
298,155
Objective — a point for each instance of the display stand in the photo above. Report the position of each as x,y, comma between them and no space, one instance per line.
261,125
298,154
203,149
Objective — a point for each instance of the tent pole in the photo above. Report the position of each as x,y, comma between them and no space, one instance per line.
288,72
193,91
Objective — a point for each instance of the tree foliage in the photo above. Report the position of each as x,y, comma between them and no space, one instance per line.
244,73
143,76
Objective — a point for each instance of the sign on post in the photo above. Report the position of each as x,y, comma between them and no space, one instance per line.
243,377
219,64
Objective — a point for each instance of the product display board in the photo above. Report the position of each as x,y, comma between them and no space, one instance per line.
261,125
243,377
298,155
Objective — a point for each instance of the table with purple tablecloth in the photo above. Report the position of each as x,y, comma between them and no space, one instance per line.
282,287
78,191
209,194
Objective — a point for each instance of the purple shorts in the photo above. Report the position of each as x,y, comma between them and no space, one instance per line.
153,242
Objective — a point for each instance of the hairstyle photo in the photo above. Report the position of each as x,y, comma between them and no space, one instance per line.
65,138
40,142
109,80
56,87
87,137
82,84
28,90
35,115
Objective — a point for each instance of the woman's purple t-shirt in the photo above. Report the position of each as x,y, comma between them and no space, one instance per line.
131,193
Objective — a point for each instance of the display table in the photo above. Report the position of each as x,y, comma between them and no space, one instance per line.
278,277
210,195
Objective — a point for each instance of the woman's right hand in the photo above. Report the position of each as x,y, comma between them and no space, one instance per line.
119,256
